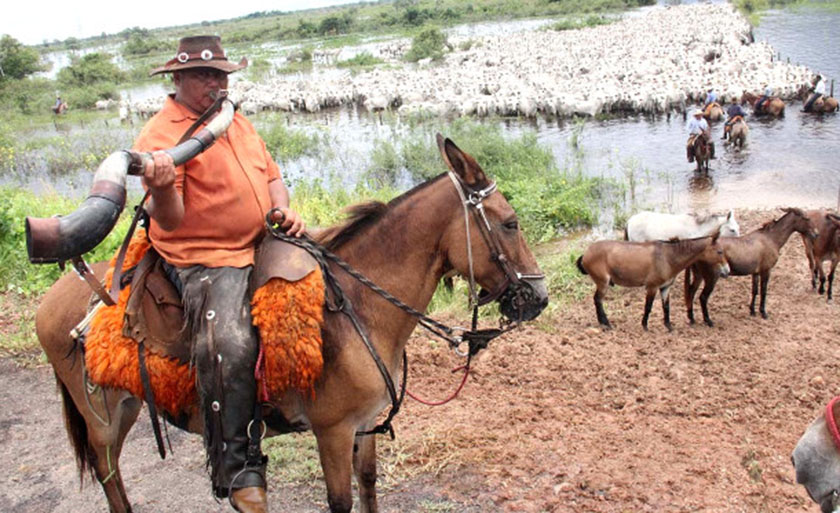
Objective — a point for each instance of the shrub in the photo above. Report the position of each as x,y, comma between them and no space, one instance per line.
362,60
90,69
429,43
16,60
287,144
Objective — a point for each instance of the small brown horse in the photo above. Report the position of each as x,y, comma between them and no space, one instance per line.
773,106
405,246
824,104
702,152
713,112
738,132
653,265
753,254
825,247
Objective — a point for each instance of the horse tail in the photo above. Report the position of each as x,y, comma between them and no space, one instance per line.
579,263
626,234
77,431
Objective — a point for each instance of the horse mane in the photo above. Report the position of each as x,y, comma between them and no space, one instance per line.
773,221
362,215
700,219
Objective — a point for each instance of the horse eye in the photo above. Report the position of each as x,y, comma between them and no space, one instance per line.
512,225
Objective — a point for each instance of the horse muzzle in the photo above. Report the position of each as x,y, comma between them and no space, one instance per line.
525,300
723,270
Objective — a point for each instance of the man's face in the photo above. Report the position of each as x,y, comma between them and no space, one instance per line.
193,87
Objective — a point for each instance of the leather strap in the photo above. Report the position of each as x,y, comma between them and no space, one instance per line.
86,274
150,398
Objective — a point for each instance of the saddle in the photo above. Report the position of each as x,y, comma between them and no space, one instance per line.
154,314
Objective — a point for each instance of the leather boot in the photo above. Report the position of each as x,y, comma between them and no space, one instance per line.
249,500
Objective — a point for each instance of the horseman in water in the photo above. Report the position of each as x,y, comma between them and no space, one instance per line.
768,92
817,91
698,127
206,218
733,112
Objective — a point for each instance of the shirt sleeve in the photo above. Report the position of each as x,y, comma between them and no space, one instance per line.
154,137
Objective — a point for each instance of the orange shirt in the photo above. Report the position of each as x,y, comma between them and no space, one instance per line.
225,191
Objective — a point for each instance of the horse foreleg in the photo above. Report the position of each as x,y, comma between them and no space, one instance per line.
600,292
335,447
754,293
666,305
364,466
651,293
691,289
765,279
704,300
809,252
834,261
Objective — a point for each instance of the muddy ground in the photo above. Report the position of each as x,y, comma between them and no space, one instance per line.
563,419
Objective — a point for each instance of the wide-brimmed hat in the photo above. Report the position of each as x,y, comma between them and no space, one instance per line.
697,112
200,52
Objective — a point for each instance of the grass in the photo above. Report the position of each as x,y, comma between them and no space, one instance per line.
363,60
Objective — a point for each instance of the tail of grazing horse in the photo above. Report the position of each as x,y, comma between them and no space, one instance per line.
580,263
77,431
626,234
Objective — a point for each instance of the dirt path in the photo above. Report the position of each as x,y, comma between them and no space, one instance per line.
573,420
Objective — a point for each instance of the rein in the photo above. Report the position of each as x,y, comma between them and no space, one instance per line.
831,422
476,339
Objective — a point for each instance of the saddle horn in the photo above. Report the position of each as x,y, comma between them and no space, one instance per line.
56,239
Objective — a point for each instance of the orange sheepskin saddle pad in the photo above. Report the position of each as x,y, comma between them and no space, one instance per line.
288,315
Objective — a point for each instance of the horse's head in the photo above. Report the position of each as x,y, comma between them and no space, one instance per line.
816,459
714,256
730,227
485,243
801,222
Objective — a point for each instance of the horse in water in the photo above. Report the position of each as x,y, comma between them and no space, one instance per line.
738,132
404,246
816,458
647,225
825,247
702,152
754,254
713,112
653,265
773,106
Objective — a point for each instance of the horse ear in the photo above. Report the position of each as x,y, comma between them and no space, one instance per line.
715,236
460,162
731,215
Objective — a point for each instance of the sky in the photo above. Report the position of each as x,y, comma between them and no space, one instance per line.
33,21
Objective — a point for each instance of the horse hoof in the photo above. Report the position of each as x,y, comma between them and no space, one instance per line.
764,315
710,324
752,313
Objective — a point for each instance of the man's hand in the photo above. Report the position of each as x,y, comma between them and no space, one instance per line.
159,173
289,220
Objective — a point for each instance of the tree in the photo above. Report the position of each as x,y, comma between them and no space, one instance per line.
90,69
16,60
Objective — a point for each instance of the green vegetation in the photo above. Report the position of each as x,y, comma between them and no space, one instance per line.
16,60
287,144
545,198
431,43
362,60
577,23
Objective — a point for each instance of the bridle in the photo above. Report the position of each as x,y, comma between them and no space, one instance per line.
473,202
514,289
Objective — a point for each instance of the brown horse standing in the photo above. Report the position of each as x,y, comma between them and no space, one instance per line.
738,132
825,247
773,106
824,104
753,254
702,153
404,246
653,265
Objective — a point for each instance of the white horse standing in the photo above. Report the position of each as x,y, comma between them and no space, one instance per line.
649,225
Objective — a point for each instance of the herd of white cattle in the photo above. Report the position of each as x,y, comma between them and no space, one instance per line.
661,60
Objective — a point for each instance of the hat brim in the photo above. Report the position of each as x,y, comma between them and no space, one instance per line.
223,65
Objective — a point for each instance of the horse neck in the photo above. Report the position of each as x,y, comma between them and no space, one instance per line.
400,253
683,253
781,230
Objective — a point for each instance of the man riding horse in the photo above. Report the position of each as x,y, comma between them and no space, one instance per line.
768,92
698,127
817,91
733,113
206,218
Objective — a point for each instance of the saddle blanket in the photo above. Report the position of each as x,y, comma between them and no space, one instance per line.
288,316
